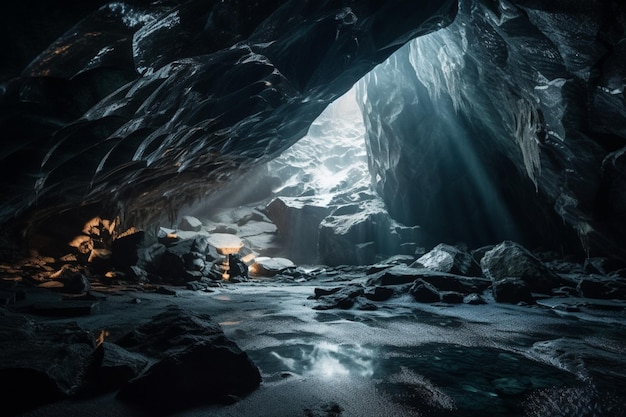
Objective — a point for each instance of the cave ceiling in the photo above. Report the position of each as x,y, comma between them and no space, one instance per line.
138,108
141,107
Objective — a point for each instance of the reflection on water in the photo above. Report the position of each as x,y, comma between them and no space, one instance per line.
432,379
323,359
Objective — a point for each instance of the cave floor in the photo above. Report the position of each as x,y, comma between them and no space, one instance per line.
402,359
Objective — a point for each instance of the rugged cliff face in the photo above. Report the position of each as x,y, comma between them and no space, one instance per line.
142,107
508,124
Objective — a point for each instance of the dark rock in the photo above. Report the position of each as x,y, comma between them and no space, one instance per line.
344,298
356,233
451,297
450,259
196,286
378,293
76,284
512,290
603,265
602,287
195,363
49,360
402,274
298,220
396,275
269,267
115,366
510,260
189,224
237,268
165,291
474,299
124,250
200,245
65,308
424,292
322,292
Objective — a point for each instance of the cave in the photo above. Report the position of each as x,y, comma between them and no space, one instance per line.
298,208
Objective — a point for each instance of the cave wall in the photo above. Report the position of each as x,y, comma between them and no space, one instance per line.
147,106
507,124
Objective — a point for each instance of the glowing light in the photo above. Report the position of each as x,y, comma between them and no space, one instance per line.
100,339
329,360
226,244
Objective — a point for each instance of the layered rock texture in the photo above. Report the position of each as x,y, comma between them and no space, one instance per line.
142,107
507,124
490,121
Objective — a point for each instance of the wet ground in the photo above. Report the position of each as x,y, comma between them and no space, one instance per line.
403,359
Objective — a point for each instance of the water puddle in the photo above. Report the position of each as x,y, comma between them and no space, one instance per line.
434,378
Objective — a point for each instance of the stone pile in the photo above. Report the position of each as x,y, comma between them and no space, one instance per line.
504,273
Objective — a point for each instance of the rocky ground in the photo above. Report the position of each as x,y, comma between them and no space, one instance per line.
491,332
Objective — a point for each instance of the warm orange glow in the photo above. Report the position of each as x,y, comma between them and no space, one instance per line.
226,244
248,258
82,243
100,339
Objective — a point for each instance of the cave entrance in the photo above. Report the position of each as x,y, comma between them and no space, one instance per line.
314,203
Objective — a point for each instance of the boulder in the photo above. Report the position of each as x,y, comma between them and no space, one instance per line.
511,260
189,224
48,361
269,267
193,363
450,259
602,287
402,274
424,292
342,297
356,233
512,290
298,220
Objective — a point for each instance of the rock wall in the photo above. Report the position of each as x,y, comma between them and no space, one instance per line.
507,124
147,107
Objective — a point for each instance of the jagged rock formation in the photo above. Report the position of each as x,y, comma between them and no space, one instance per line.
141,108
507,124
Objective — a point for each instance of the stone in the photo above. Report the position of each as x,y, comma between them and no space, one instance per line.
266,266
124,250
451,297
424,292
343,298
509,259
601,287
402,274
474,299
189,224
51,360
512,290
356,233
298,220
114,366
193,363
76,284
378,293
449,259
